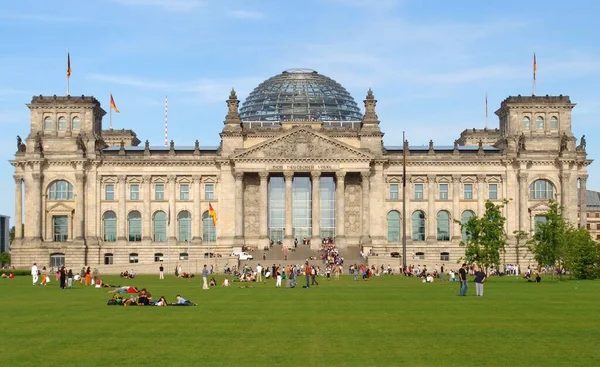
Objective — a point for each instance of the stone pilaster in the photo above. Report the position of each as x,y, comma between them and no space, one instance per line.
315,242
455,207
239,208
147,217
18,206
523,195
340,213
288,239
264,208
38,179
565,178
366,211
196,213
78,231
430,216
480,195
583,200
122,216
172,214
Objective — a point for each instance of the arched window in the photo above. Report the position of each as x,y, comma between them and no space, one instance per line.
553,122
109,219
526,122
443,226
539,123
466,215
184,223
62,123
57,260
134,224
75,123
418,226
208,228
541,189
48,123
159,222
60,190
393,224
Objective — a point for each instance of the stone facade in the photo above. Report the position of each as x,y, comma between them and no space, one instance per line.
530,158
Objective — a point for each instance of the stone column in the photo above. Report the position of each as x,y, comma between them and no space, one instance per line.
480,195
456,215
565,177
38,179
366,211
523,199
147,217
315,241
122,215
196,212
583,200
79,206
431,224
263,196
340,212
288,177
18,206
172,230
239,207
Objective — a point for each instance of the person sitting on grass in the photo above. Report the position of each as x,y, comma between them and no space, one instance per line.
212,282
162,301
226,282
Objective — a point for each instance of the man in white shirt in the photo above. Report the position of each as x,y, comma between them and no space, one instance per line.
34,273
258,273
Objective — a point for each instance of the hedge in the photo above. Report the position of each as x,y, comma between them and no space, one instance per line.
16,272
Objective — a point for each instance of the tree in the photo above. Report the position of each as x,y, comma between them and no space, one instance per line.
5,258
549,243
486,237
11,237
583,254
519,235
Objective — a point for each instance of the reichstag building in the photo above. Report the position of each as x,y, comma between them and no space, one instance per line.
298,160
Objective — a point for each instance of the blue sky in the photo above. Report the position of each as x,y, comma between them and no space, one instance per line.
430,63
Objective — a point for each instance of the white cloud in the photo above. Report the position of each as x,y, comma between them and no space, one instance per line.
168,5
245,14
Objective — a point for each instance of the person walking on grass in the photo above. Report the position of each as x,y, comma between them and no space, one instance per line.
480,277
34,273
161,272
259,273
205,277
307,274
70,279
462,277
44,279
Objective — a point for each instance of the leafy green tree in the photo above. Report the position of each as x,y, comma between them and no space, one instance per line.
5,258
549,243
583,255
11,234
486,237
519,236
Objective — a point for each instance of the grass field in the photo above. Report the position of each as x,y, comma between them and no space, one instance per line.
387,321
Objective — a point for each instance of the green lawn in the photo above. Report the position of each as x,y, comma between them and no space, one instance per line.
387,321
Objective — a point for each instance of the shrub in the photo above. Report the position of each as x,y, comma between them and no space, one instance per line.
16,272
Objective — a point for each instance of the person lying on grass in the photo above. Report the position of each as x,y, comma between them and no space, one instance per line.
125,289
182,302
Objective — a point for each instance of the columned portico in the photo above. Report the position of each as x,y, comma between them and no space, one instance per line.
315,242
340,208
288,235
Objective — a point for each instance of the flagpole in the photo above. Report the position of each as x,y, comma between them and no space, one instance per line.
110,113
404,147
486,110
534,70
68,72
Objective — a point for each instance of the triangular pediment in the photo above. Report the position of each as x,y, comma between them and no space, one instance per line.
539,208
60,208
303,143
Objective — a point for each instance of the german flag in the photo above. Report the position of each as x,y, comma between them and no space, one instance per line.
212,214
68,65
113,105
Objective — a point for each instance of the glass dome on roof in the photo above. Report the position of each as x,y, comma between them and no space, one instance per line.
300,94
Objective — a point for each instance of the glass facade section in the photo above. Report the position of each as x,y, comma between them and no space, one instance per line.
109,221
134,192
134,226
541,189
109,192
493,191
443,191
541,219
393,224
208,228
184,223
60,228
301,208
443,226
394,192
60,190
159,192
418,226
209,192
327,206
184,192
418,191
466,215
276,208
160,226
468,191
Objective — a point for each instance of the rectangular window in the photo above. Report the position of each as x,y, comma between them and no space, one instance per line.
134,192
443,191
133,258
468,191
60,224
109,192
444,256
159,192
394,192
420,255
209,191
108,259
493,191
184,192
588,226
419,191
